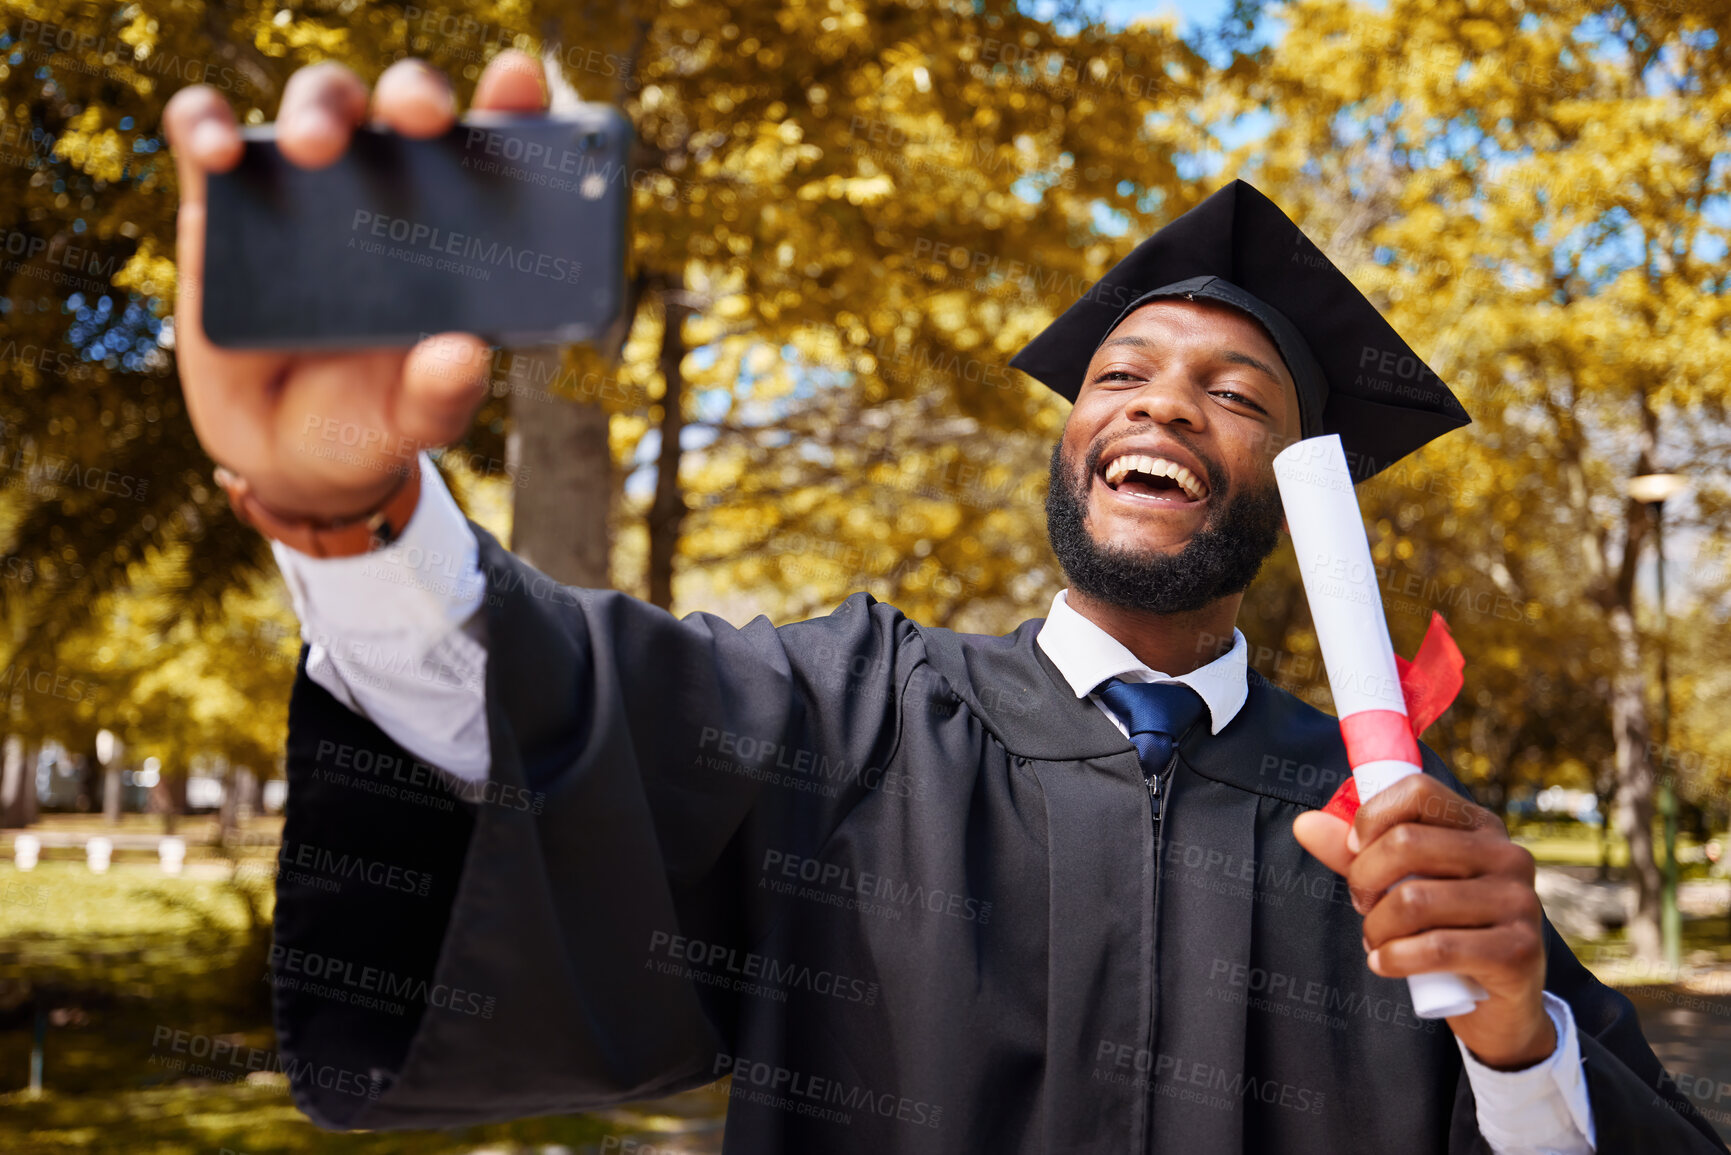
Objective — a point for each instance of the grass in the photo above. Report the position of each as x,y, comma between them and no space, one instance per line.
125,959
131,933
1705,950
1569,848
248,1119
1571,844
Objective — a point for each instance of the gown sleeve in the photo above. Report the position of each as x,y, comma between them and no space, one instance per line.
525,945
1636,1107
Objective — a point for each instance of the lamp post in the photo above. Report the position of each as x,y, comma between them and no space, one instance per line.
1652,489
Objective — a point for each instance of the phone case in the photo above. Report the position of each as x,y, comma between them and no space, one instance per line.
510,227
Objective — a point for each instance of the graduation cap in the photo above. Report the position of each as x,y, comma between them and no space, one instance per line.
1355,375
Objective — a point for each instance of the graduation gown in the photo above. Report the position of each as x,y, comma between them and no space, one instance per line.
898,881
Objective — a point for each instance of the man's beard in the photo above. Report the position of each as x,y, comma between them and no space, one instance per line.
1221,559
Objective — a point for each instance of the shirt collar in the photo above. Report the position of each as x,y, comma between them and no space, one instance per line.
1087,655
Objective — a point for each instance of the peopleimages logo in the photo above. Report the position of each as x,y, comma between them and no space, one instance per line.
223,1059
844,883
717,964
772,1085
433,240
1309,1000
336,866
358,985
807,769
1203,1084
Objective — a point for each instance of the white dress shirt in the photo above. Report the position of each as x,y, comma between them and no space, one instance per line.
394,636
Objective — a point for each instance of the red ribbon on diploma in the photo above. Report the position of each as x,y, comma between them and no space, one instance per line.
1429,684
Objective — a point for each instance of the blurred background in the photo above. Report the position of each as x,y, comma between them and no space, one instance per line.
848,215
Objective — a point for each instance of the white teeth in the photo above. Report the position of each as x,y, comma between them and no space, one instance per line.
1121,467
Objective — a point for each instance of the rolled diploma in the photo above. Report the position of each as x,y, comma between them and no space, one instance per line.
1340,584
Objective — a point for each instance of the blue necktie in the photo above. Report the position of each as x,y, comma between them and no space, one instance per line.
1156,714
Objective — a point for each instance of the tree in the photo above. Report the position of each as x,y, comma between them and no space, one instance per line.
849,189
1544,187
172,685
841,183
925,509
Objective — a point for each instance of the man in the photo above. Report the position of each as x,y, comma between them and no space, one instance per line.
916,891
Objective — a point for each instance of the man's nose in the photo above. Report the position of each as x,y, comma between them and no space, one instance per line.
1167,399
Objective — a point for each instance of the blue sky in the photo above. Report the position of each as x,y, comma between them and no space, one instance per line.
1191,13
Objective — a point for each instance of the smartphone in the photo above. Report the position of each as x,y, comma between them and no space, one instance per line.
510,227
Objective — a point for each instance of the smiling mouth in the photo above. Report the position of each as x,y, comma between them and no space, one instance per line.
1146,476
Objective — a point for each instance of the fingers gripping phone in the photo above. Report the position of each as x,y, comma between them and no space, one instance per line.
509,227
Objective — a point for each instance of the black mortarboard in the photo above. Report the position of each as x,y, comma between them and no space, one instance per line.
1355,375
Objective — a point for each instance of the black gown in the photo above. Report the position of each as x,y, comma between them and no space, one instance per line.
900,882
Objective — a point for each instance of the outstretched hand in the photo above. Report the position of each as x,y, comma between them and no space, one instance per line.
325,435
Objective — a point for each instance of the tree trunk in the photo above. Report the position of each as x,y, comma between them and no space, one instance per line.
228,813
1605,798
1636,783
245,795
168,798
111,793
561,461
1695,820
87,772
17,783
667,511
1496,746
32,804
558,454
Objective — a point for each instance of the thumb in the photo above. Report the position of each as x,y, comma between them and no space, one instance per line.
445,379
202,136
1323,835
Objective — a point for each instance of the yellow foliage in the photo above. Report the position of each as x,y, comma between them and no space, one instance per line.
1523,187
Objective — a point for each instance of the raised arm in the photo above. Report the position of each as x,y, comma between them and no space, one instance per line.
638,764
507,826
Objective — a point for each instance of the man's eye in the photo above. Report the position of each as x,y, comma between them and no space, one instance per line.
1116,375
1234,395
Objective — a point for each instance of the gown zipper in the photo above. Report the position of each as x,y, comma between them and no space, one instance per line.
1159,786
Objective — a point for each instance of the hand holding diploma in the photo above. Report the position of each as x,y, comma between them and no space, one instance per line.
1448,899
1466,907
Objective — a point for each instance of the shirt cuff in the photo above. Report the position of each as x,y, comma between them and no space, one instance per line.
422,586
1542,1110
